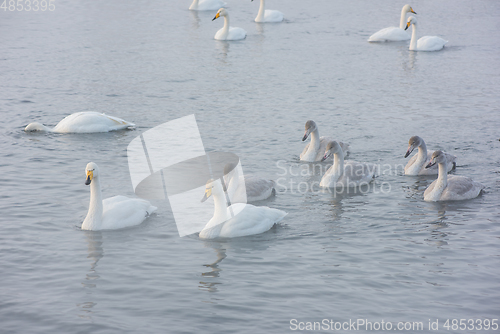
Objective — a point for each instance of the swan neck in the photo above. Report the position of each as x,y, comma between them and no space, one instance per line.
220,210
262,10
226,24
413,42
442,180
422,154
315,142
94,215
338,164
402,21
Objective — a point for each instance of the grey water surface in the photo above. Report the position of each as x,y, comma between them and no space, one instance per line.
378,254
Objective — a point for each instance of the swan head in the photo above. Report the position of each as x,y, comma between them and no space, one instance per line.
438,157
220,12
91,171
331,148
310,127
411,20
408,9
212,187
413,143
35,127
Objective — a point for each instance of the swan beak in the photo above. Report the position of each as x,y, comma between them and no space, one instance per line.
430,164
411,10
216,16
306,134
326,156
407,25
90,175
208,193
408,152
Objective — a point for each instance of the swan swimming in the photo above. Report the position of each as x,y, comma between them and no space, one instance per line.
315,150
348,175
449,188
237,220
268,15
426,43
228,33
114,212
394,34
207,4
243,189
84,122
416,165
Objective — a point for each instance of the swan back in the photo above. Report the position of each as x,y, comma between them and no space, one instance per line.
91,122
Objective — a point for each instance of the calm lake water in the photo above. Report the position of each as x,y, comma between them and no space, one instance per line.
381,254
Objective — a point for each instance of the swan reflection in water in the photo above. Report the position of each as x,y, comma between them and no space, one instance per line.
95,253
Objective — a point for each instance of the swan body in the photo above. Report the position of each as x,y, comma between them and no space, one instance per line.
227,33
315,150
450,188
345,175
237,220
114,212
268,15
416,165
243,189
426,43
394,34
84,122
207,4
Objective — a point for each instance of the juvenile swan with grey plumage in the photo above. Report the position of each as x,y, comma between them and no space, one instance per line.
348,175
416,165
315,150
449,188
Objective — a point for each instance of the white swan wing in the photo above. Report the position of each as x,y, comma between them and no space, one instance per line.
390,34
273,16
90,122
251,220
122,211
430,43
236,33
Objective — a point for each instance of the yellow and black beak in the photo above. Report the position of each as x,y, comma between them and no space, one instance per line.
411,10
216,16
208,193
90,176
407,25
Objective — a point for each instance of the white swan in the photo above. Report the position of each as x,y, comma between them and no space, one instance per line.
416,165
237,220
315,150
228,33
394,34
207,4
449,188
268,15
243,189
426,43
348,175
84,122
114,212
